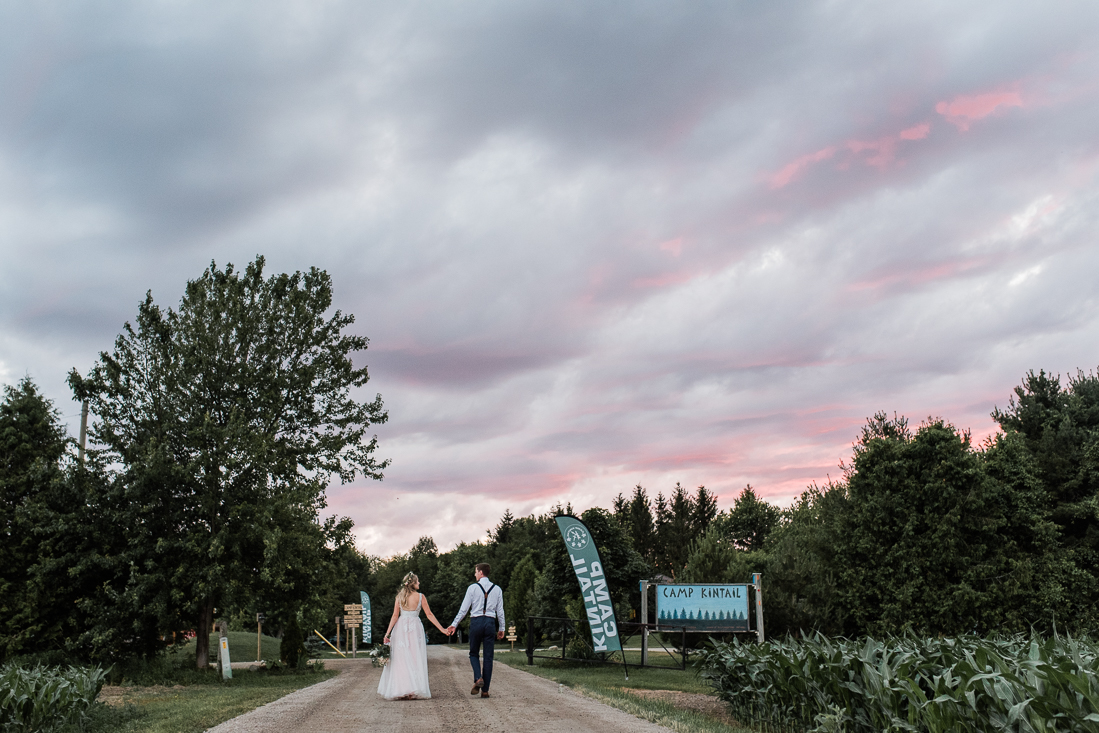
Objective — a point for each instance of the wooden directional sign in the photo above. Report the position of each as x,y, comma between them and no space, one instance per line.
353,615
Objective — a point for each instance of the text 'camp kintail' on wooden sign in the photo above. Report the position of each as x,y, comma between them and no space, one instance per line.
703,607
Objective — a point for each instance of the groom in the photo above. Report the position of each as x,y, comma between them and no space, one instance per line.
485,603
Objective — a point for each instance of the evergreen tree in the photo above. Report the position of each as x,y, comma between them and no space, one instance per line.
929,536
705,511
34,610
502,533
621,511
1058,427
662,521
713,559
641,526
750,521
678,533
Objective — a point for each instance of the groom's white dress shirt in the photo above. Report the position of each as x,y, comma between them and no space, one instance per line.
474,603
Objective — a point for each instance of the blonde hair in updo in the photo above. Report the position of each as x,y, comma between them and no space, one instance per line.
406,588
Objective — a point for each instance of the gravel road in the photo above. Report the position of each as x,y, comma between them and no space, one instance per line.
520,703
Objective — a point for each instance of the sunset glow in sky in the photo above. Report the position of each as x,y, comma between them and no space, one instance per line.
592,245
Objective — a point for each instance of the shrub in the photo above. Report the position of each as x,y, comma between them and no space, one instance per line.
947,684
292,647
47,698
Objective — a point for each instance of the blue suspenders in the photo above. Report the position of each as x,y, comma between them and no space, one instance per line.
484,609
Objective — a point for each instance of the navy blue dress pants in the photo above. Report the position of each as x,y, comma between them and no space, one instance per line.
482,630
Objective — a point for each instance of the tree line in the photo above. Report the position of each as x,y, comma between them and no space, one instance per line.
923,532
219,424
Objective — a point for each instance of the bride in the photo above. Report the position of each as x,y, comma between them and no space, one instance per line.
405,677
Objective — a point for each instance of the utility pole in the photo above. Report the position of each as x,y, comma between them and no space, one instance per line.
83,428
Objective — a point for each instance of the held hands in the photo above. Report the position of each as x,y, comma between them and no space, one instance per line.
449,631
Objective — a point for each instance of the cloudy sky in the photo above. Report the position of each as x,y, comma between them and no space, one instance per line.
593,244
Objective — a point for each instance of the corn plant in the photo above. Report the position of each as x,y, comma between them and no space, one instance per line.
46,698
908,684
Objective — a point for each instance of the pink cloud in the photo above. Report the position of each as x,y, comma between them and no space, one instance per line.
791,170
963,109
674,246
882,152
661,281
885,148
906,277
916,132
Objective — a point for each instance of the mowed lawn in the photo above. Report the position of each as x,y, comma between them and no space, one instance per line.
187,708
185,700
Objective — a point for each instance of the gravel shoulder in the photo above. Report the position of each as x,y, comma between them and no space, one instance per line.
519,702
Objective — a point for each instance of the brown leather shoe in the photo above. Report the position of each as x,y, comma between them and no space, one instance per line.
484,694
477,686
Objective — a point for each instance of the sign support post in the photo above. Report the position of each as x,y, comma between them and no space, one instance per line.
644,622
353,618
757,581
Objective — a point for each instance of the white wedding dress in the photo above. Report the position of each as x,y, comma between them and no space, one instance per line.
406,673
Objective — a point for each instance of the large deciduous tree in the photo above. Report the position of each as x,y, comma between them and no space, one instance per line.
226,419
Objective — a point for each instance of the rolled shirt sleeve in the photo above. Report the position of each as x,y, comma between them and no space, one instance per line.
471,592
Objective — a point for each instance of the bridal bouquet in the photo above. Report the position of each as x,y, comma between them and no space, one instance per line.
379,655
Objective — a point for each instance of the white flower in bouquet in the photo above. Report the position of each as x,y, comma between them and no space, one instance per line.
379,655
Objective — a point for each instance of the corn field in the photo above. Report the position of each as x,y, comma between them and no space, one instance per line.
47,698
816,684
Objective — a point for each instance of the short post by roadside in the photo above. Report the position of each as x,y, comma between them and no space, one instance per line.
260,618
223,650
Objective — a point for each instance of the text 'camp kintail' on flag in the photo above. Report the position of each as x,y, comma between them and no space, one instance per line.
592,577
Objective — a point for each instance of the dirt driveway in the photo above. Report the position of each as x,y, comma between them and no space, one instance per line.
520,702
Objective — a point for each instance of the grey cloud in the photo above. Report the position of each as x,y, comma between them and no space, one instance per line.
490,187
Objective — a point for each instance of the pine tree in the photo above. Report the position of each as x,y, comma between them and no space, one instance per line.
621,512
641,530
705,510
677,532
32,486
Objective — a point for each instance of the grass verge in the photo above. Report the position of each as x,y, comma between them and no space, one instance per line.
608,684
193,708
